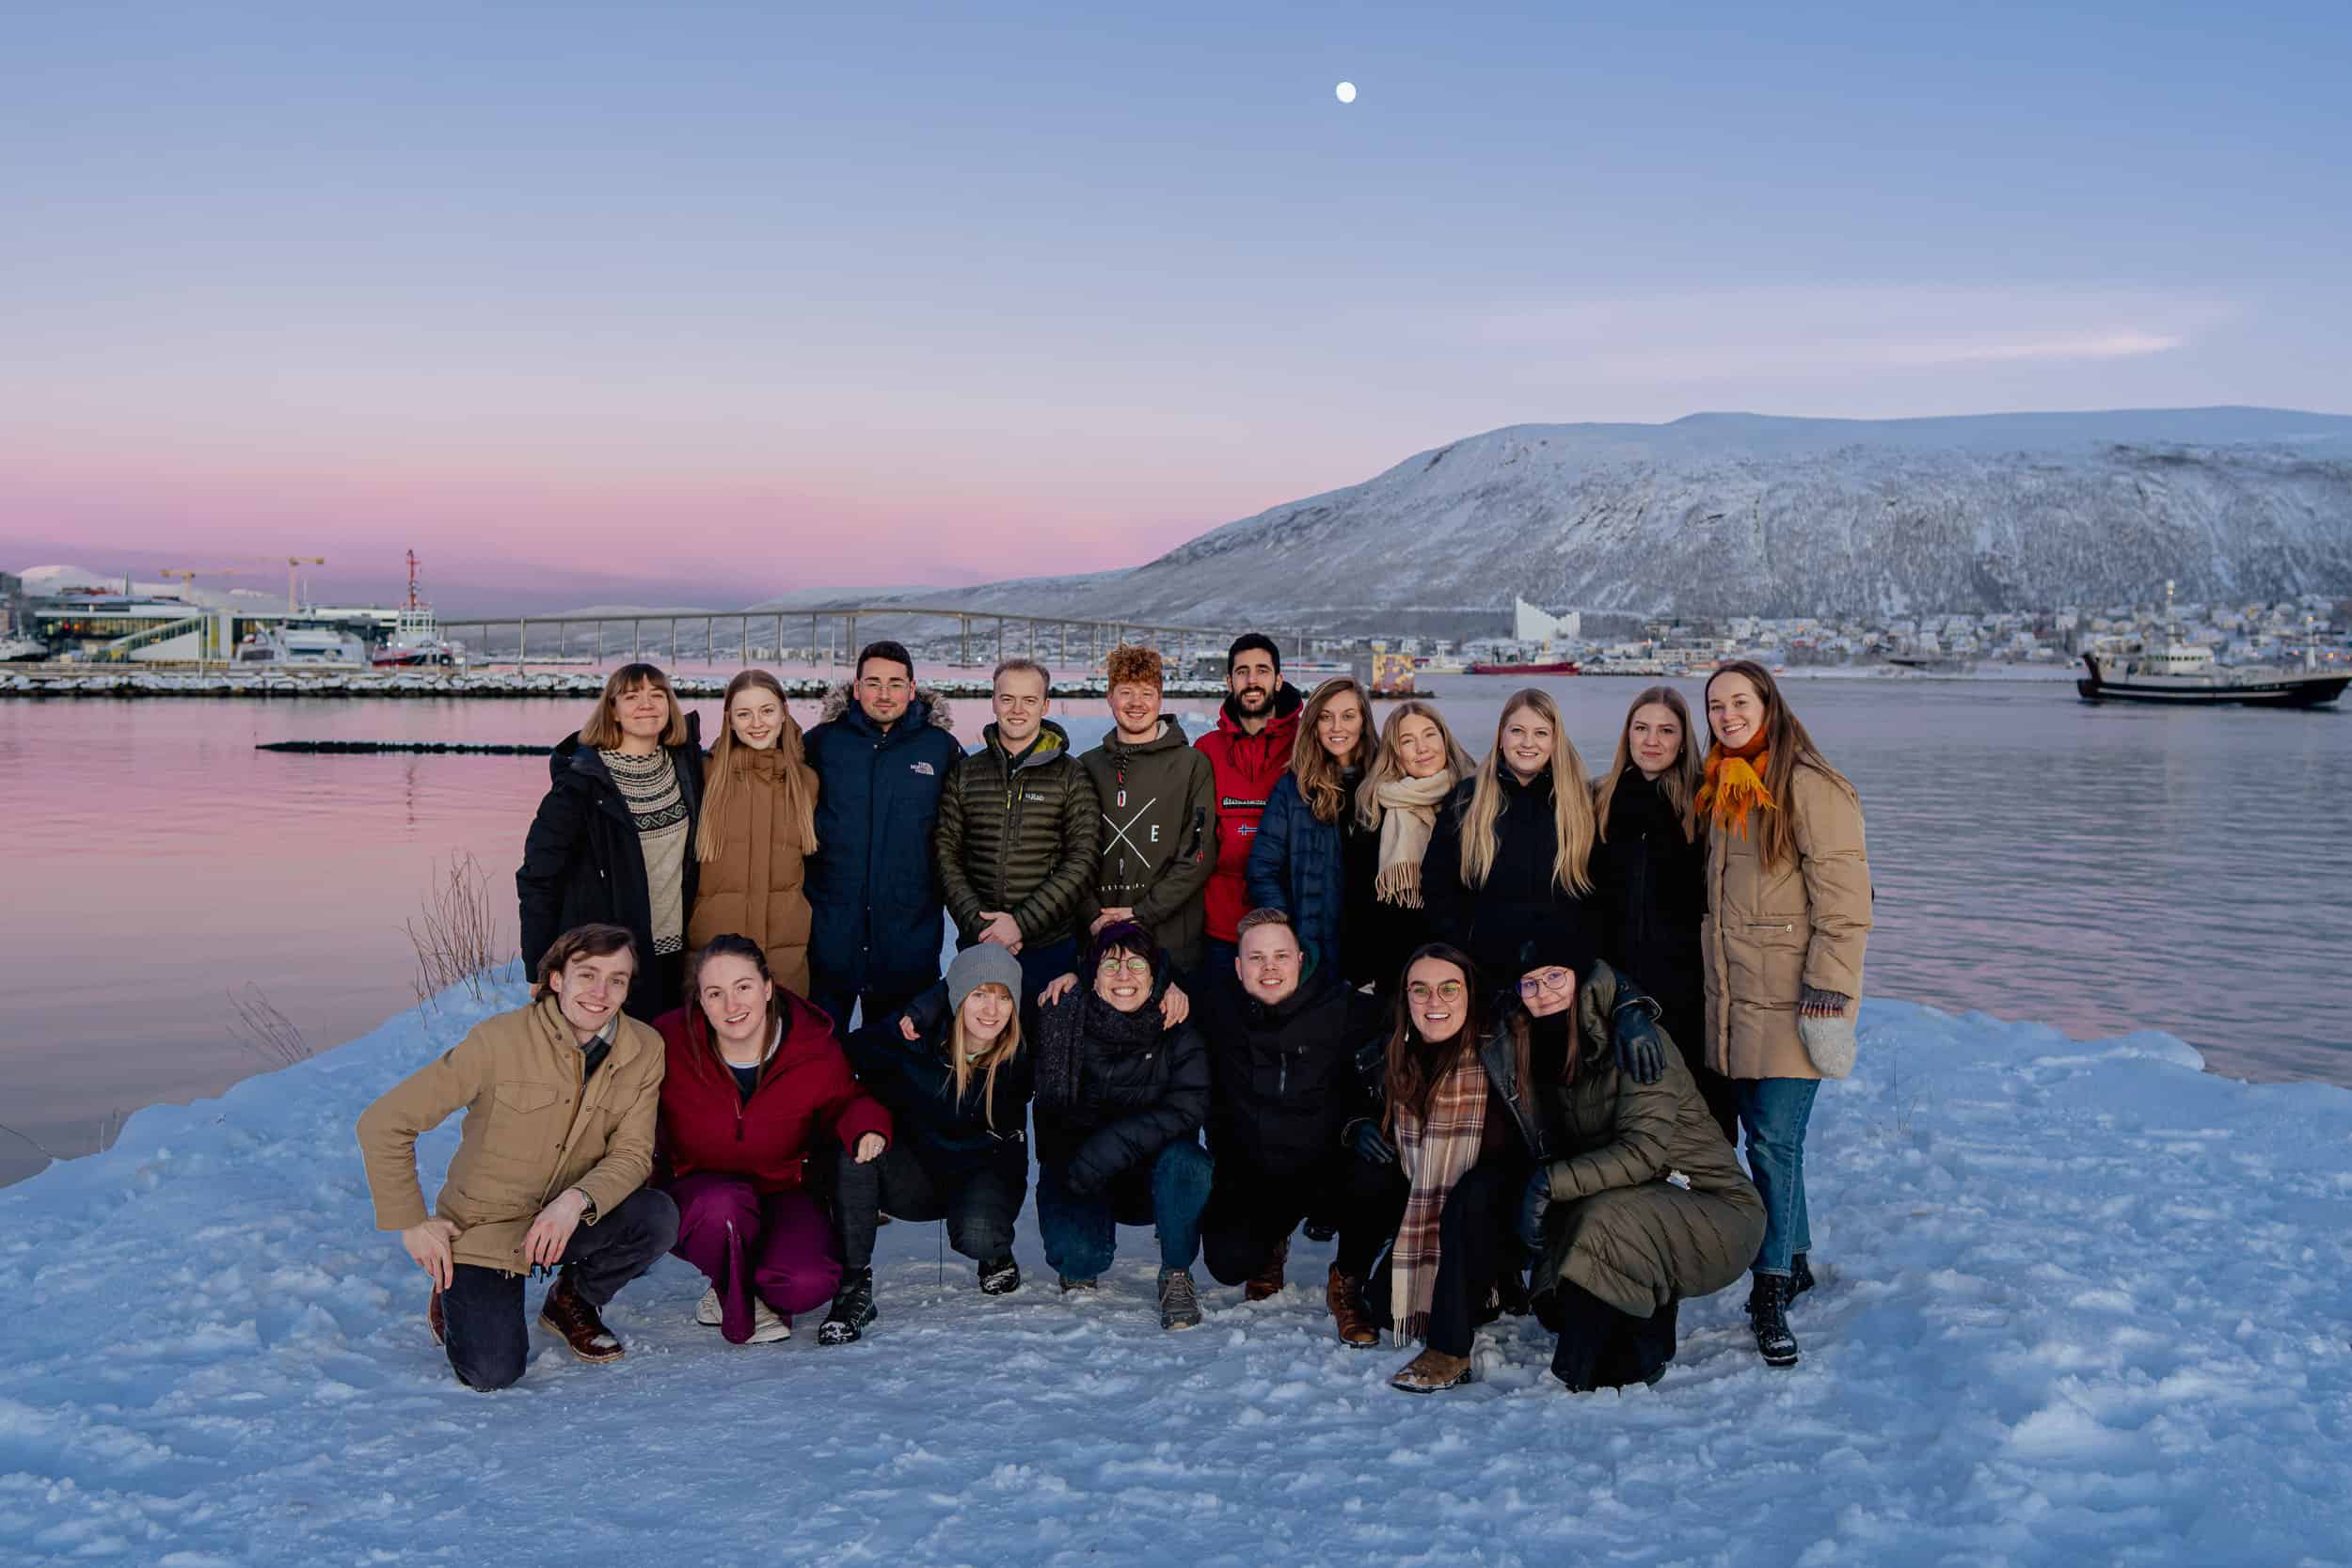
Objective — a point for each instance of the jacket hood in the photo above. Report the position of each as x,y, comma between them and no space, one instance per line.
1287,702
1171,738
572,755
1052,741
837,705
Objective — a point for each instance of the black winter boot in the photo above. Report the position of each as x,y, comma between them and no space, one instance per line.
999,1277
1768,1310
852,1309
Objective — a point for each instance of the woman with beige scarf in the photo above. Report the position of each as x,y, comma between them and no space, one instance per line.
1414,771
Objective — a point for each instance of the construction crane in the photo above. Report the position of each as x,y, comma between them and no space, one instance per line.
189,577
293,561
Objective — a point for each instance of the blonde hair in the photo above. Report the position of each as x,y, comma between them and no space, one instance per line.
800,782
1315,769
1002,1050
1680,780
1571,802
603,730
1387,765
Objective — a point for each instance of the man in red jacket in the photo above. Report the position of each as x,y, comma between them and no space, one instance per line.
1249,749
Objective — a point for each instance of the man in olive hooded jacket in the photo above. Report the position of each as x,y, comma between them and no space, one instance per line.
1158,801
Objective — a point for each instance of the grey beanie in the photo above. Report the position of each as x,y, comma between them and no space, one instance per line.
987,963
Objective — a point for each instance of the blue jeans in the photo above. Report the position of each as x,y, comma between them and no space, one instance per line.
1776,1111
1080,1233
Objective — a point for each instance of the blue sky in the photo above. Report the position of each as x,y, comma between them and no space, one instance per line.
1012,288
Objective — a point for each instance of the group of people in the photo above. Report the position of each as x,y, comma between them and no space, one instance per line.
1495,1027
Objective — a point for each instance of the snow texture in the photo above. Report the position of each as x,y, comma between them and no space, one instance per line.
1752,514
2080,1303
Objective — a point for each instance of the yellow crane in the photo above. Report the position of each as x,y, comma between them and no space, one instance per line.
293,561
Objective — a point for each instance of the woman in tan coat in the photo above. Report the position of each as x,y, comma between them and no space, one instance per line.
1787,912
758,827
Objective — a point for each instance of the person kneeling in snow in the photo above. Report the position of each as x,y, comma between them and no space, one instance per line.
952,1070
757,1089
1614,1246
1121,1096
550,1165
1282,1087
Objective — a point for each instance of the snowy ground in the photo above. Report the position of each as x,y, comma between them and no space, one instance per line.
2082,1304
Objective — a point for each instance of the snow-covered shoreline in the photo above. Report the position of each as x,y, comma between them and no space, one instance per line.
2083,1303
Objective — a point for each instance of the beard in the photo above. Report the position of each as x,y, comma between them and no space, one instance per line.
1253,699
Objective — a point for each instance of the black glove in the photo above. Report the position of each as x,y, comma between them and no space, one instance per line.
1641,1049
1533,1203
1362,1139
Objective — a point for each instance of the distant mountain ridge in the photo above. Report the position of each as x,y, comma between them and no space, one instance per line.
1748,513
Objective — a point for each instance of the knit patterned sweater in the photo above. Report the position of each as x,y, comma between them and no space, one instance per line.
649,788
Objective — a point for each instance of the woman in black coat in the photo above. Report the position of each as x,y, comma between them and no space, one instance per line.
1649,871
614,841
1509,860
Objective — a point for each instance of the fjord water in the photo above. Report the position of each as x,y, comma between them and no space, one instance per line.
2099,868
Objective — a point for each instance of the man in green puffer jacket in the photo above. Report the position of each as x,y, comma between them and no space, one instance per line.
1158,800
1015,841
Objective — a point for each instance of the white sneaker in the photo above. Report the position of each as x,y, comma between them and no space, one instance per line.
707,1310
768,1324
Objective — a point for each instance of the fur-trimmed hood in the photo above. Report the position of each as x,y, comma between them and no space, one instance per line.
836,703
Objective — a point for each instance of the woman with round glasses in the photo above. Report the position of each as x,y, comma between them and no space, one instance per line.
1121,1094
1445,1128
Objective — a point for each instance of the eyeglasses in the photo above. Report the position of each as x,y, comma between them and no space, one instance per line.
1554,978
1111,966
1444,990
894,685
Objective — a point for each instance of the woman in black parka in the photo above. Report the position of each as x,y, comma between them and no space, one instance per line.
1649,873
1510,858
614,841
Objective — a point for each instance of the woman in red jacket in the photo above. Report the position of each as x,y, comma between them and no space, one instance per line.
757,1086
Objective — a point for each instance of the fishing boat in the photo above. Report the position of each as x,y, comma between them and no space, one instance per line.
2181,673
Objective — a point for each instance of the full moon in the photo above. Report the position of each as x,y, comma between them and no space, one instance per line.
1346,91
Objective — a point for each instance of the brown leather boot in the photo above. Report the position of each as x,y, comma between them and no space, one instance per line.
1268,1281
436,1319
1431,1371
577,1321
1345,1298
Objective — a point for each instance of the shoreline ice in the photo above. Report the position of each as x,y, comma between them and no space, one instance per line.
2081,1302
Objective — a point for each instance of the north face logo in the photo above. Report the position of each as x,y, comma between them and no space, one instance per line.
923,768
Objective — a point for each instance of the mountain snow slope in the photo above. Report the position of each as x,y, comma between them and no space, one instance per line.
1744,513
2079,1303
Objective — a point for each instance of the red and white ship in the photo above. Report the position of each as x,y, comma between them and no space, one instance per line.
417,639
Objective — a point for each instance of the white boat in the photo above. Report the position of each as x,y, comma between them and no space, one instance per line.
2172,671
301,648
15,649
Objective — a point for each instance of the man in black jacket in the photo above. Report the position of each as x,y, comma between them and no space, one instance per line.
1157,796
1283,1089
1016,836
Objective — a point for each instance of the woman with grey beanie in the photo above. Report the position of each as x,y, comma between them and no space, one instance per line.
953,1069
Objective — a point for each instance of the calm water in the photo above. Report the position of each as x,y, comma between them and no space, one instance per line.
2097,868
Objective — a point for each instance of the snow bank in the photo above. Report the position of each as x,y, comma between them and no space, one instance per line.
2080,1303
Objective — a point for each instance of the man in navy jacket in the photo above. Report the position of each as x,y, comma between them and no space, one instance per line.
884,755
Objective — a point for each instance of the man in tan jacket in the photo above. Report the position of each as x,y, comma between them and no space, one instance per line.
561,1099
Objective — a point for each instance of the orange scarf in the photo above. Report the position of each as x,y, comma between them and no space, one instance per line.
1734,785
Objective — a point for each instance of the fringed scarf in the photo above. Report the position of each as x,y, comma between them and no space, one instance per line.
1409,815
1734,785
1436,1153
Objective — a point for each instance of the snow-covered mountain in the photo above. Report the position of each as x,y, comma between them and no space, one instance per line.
1726,514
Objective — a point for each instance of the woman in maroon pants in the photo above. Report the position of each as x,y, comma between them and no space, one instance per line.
756,1087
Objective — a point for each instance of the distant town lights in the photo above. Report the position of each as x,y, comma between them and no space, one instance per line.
1345,92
